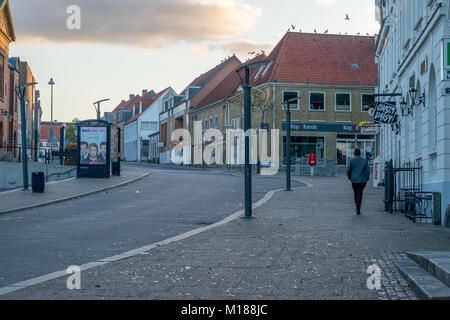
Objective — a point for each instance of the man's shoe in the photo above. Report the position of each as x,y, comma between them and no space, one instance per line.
358,213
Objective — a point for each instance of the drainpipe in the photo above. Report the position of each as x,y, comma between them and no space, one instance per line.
274,106
228,112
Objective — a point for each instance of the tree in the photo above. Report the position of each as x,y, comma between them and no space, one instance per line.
71,131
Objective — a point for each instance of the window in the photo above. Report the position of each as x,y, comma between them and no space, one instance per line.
343,102
205,124
287,96
367,102
216,122
235,123
211,124
317,101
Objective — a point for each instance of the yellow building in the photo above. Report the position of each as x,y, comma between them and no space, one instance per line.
332,75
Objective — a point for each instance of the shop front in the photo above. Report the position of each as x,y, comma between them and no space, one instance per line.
330,141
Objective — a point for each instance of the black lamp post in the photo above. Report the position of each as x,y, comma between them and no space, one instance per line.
21,94
287,105
247,125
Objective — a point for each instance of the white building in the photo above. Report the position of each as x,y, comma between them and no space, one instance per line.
412,51
144,122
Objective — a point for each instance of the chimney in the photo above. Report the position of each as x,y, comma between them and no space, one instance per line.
144,92
134,110
140,106
131,96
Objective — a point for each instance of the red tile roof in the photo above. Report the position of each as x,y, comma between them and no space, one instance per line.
325,59
306,58
228,87
201,80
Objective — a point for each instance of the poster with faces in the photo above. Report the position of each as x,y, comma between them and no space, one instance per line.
93,146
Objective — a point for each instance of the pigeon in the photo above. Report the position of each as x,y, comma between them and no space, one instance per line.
293,27
346,17
315,31
326,31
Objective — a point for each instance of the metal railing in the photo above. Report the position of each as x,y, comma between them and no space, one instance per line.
10,153
324,167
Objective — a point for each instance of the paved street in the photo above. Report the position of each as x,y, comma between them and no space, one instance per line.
302,245
164,204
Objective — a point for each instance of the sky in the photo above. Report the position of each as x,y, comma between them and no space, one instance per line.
123,47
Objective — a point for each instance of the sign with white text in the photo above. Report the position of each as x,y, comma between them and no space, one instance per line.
385,112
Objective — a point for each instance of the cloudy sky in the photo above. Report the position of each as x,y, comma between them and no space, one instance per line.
126,46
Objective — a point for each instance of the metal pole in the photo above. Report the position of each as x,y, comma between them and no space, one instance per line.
24,140
118,150
247,125
61,144
288,148
36,133
51,120
98,111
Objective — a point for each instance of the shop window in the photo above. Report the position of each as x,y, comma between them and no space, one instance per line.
343,102
301,147
317,101
367,102
287,96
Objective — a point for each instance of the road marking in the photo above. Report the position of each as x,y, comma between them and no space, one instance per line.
143,250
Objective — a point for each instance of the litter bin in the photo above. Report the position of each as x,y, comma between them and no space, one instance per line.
115,168
38,182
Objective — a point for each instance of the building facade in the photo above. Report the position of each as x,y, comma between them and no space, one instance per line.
334,78
7,114
176,108
145,121
412,52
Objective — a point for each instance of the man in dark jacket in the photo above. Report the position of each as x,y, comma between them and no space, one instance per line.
358,172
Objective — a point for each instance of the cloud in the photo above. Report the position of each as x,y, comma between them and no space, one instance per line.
142,23
243,47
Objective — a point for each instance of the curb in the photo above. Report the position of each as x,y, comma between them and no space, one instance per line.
43,204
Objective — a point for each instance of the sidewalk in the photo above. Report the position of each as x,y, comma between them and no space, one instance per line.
17,200
305,244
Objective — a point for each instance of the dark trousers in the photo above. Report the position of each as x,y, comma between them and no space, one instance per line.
358,189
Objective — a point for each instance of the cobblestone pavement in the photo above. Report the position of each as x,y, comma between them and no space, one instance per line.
305,244
393,285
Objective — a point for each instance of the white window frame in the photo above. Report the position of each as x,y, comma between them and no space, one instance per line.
362,94
335,101
324,101
290,91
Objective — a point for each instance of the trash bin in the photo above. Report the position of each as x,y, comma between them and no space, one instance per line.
38,182
115,168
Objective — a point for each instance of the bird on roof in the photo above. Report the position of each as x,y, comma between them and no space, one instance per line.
293,27
367,34
300,30
263,52
358,33
326,31
346,17
315,31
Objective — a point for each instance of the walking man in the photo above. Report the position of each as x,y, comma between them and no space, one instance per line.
358,172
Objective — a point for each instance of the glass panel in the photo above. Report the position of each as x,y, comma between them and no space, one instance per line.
343,102
341,150
316,101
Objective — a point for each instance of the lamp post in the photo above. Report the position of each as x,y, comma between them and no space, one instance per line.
287,105
21,94
97,107
247,124
51,83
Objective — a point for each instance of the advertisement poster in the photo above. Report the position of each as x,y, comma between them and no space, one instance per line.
93,146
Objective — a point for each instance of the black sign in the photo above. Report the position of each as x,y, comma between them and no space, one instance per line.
385,112
322,127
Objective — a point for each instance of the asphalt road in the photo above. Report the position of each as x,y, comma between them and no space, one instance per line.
167,203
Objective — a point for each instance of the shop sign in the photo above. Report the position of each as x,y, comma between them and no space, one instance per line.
322,127
385,112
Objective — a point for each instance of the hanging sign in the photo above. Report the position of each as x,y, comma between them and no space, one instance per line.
446,59
385,112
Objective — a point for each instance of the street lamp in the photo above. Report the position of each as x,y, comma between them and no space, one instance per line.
51,83
21,94
247,124
97,107
287,105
